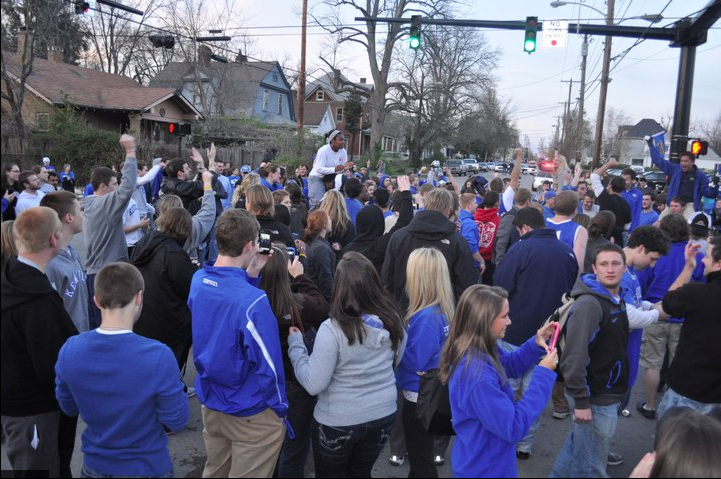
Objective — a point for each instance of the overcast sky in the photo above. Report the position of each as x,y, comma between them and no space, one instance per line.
643,83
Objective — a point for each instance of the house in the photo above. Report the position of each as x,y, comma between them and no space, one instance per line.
632,146
333,89
104,101
238,89
318,118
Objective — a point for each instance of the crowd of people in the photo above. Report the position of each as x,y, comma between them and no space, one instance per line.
312,304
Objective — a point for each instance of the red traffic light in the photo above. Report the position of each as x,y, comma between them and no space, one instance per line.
172,128
699,147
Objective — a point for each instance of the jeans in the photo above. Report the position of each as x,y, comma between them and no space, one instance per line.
525,444
420,444
349,451
291,462
673,399
585,452
87,472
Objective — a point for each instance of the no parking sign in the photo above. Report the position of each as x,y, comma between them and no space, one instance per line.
555,33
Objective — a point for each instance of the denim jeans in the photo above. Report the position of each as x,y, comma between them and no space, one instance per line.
673,399
294,454
585,452
525,444
349,451
87,472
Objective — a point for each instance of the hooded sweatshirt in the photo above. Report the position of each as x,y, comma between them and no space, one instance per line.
428,228
34,325
168,272
355,383
594,362
67,276
488,222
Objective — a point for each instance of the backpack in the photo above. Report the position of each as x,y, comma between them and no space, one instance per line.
561,316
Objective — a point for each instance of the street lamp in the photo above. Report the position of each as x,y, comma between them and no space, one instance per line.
605,69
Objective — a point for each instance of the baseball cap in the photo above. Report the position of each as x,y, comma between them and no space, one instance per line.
46,160
700,223
245,169
549,194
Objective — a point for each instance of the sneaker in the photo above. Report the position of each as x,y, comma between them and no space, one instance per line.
191,392
439,460
647,413
523,455
397,460
561,414
614,459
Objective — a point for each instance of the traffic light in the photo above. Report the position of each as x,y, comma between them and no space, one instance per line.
180,129
174,128
165,41
529,43
699,147
81,7
415,40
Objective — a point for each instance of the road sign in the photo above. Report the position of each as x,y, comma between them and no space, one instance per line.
555,33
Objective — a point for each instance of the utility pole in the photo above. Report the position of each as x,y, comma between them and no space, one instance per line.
567,120
563,125
558,126
598,137
579,133
301,79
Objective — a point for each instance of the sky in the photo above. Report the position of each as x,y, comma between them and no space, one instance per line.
643,83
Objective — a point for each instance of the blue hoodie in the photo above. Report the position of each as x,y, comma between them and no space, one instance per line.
236,344
486,416
427,331
469,230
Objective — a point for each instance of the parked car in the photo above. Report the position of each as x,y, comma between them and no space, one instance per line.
640,170
482,166
471,165
499,167
456,167
540,178
655,179
527,169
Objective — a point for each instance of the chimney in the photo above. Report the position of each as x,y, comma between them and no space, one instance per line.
23,32
240,58
363,81
204,54
336,79
55,56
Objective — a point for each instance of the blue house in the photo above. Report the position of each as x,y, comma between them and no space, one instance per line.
238,89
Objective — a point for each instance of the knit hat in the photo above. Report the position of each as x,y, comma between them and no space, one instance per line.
700,223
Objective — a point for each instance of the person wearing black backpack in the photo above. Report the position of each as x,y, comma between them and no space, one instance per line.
594,365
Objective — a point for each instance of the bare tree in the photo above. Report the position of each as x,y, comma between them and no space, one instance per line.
615,119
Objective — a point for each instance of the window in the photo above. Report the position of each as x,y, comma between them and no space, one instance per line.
319,95
42,120
275,78
339,114
266,96
280,104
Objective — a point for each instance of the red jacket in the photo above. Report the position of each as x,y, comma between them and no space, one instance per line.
487,221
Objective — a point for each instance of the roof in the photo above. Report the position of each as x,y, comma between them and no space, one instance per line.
313,113
645,127
58,83
236,83
326,83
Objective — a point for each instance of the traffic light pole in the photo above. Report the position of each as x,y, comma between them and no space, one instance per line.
686,33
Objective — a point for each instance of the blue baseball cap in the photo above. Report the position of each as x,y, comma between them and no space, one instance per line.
549,194
245,169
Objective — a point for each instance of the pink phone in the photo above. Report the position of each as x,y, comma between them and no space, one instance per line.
554,338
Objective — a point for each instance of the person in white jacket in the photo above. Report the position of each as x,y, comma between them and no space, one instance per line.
330,159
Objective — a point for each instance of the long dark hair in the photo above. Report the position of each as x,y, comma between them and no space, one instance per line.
602,225
275,281
358,290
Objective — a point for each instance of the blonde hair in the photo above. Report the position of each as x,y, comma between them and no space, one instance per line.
167,202
333,204
471,335
242,188
34,227
428,283
259,201
279,196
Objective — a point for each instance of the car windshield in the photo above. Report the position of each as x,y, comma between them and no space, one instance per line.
544,174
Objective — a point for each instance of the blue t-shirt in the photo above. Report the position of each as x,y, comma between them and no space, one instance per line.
634,198
354,206
647,219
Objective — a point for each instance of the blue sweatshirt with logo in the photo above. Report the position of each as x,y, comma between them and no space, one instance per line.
236,344
427,331
486,416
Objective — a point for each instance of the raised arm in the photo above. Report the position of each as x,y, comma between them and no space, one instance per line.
598,173
516,172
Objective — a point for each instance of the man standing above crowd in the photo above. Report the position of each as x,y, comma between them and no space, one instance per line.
330,159
35,325
104,236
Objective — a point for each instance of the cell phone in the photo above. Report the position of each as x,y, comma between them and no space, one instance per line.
295,236
265,243
291,253
554,338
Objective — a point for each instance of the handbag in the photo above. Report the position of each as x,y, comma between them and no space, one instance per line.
433,409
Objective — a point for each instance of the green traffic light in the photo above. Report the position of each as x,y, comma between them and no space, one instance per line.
414,43
529,46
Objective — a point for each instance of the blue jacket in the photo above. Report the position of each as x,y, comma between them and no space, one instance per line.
427,331
273,187
667,269
236,344
634,198
486,417
673,170
469,230
536,271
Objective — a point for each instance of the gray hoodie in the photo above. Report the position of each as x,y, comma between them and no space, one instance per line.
103,228
67,276
354,384
203,221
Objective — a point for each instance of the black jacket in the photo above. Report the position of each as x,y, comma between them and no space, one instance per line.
35,326
321,265
278,231
370,239
189,192
168,272
17,189
343,239
619,207
428,229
